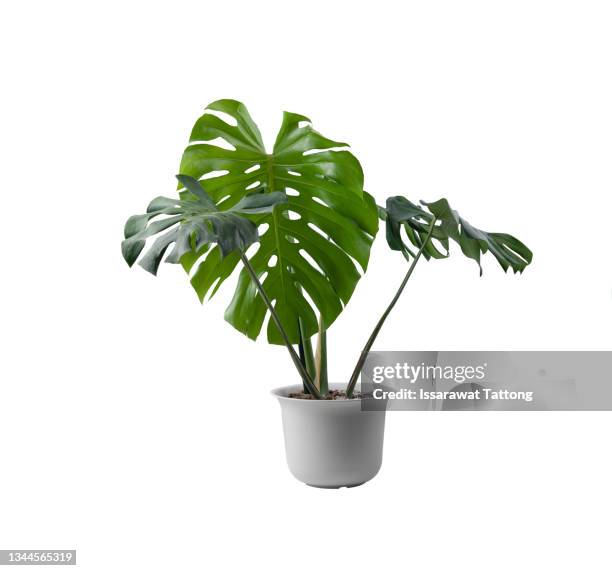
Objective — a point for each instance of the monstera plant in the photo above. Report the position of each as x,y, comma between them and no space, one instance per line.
297,225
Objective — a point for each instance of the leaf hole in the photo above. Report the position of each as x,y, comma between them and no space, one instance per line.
263,228
267,318
218,142
252,250
213,174
252,169
514,253
317,151
319,201
303,124
196,266
225,117
291,215
291,239
253,185
291,192
354,261
317,230
272,261
211,291
293,173
311,260
309,299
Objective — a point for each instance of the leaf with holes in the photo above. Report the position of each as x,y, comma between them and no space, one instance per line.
401,213
308,257
196,223
508,250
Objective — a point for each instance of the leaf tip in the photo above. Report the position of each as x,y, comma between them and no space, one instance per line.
151,268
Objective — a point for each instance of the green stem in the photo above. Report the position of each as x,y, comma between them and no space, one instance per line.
321,360
312,389
366,349
305,354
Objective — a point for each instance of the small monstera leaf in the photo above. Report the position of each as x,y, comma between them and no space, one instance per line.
400,212
309,254
196,223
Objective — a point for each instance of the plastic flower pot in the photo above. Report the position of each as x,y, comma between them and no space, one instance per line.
331,443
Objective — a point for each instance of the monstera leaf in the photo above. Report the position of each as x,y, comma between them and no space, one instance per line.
312,246
196,223
400,212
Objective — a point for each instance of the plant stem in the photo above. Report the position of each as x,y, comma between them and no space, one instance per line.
366,350
321,360
294,356
306,355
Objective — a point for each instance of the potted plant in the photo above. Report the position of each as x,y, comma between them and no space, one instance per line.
298,224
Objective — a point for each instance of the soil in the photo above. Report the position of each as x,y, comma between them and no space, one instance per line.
331,395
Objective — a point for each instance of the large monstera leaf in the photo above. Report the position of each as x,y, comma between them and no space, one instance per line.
415,220
193,224
310,248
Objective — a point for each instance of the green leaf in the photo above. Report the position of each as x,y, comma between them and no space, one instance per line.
401,213
196,223
508,250
309,256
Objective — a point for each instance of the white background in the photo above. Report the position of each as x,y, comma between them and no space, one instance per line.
137,427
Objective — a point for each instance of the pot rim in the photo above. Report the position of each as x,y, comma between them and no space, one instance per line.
279,394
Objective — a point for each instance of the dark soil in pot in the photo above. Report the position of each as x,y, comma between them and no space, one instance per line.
331,395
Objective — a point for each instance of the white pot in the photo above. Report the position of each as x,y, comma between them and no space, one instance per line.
331,443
